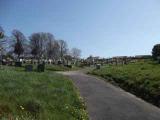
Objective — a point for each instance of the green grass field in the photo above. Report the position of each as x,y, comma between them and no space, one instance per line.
141,78
38,96
60,68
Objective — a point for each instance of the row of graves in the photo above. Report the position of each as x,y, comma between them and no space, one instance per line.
123,60
28,64
118,60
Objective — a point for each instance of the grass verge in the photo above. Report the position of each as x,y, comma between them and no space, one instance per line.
141,78
38,96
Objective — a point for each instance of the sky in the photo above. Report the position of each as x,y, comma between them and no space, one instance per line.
104,28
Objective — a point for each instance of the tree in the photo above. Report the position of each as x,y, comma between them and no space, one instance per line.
76,53
56,50
2,39
19,42
156,51
1,42
36,45
1,32
50,45
27,50
39,44
63,48
68,58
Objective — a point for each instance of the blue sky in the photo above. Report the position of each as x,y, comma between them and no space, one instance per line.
103,28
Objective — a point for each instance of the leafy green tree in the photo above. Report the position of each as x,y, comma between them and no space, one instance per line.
156,51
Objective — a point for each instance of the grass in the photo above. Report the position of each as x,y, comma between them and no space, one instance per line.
53,67
60,68
38,96
141,78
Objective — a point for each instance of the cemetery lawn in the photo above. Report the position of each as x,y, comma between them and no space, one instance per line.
38,96
140,78
60,68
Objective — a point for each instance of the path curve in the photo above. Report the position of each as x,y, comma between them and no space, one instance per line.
107,102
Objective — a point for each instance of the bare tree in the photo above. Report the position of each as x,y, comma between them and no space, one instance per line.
36,43
41,44
56,50
2,38
63,48
1,42
50,45
27,50
19,42
76,53
1,32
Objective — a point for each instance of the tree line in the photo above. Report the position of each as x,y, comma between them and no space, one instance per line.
39,45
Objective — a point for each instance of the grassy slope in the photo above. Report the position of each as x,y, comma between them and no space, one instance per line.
42,96
141,78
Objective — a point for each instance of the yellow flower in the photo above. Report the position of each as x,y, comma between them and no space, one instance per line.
22,107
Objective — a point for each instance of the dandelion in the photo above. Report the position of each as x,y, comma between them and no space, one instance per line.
66,107
22,107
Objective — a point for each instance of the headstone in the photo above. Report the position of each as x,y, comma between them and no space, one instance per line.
4,62
98,66
69,66
10,63
158,58
40,67
18,64
59,62
29,68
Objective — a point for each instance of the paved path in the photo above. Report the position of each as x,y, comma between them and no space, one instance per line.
107,102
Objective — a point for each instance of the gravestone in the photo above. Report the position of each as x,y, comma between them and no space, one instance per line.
158,58
10,63
29,68
98,66
40,67
4,63
59,62
18,64
69,66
